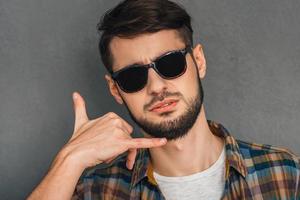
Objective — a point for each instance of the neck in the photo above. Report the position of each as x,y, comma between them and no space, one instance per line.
195,152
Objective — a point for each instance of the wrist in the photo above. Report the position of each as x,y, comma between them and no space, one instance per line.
63,172
67,158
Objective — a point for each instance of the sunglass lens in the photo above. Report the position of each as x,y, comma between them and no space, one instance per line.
172,65
132,79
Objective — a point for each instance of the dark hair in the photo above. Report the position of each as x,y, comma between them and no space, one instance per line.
133,17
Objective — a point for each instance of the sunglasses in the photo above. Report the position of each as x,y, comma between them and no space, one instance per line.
134,77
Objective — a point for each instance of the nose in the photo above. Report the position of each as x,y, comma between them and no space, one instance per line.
155,84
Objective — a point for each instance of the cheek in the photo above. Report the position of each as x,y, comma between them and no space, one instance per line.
135,103
187,83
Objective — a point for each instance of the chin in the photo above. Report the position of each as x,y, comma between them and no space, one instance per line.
164,116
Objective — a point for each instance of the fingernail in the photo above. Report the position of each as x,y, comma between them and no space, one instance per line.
75,96
128,166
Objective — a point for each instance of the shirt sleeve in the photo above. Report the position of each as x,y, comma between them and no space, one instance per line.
298,180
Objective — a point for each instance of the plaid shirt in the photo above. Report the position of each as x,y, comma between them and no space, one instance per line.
252,171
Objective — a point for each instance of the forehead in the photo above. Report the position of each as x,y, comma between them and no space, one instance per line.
143,48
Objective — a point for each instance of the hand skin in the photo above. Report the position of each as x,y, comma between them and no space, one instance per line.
92,142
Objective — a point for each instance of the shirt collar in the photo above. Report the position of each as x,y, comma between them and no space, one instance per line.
234,158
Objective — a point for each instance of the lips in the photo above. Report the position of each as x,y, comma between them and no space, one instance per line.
162,104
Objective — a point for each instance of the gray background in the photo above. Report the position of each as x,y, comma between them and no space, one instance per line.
48,49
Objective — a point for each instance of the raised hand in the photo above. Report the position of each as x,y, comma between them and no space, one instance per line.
103,139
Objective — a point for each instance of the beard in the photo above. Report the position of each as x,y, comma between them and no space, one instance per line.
175,128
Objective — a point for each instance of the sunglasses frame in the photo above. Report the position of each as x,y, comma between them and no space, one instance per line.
187,49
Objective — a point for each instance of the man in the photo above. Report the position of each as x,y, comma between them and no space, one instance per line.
156,71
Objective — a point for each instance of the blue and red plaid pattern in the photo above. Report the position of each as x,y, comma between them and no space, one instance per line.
253,171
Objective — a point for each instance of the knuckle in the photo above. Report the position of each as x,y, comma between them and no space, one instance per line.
118,132
128,144
119,125
138,142
116,121
126,136
130,128
111,114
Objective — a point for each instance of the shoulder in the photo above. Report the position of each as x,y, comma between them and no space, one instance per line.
270,168
259,157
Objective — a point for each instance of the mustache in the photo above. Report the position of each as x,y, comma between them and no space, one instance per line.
161,97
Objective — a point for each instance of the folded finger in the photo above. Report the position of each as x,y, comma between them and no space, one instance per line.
131,158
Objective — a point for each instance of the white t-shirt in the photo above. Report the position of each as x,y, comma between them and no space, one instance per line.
208,184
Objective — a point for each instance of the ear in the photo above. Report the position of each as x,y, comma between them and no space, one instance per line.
200,60
113,88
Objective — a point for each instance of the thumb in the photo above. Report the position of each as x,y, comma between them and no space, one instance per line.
80,112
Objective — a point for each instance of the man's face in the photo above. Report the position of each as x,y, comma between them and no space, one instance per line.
184,93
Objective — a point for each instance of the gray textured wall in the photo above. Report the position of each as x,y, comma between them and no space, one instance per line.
49,49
